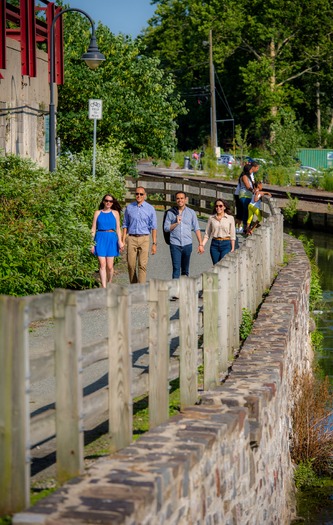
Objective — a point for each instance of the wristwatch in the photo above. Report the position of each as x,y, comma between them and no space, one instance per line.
155,243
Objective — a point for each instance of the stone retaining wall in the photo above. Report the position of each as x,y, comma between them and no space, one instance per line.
225,461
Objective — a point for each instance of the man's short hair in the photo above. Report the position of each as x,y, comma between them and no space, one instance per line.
182,192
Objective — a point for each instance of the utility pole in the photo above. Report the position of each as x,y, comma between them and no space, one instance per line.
213,131
318,112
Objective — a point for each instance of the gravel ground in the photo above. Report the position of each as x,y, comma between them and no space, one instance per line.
94,327
94,324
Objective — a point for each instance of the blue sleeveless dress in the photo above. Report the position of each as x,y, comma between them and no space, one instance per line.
106,242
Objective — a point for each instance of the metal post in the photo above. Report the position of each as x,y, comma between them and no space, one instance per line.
94,149
52,120
213,132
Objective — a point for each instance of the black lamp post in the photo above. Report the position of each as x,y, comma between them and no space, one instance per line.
92,58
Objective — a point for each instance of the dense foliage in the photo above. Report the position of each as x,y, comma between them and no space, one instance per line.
139,101
268,57
46,220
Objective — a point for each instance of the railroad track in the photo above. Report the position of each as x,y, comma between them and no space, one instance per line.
279,192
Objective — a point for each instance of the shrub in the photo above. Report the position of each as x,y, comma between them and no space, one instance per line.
316,292
326,182
246,324
290,210
305,477
278,175
312,431
46,220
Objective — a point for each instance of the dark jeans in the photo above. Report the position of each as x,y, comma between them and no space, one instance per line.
218,249
245,201
180,256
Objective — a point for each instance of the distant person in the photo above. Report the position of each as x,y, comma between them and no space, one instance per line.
221,227
238,204
195,159
180,226
106,233
246,190
255,207
139,222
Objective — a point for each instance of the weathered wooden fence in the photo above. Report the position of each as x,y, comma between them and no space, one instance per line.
209,305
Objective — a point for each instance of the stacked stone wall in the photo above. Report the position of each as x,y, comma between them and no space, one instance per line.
225,461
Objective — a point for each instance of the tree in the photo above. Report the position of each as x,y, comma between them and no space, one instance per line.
269,55
46,220
139,102
178,35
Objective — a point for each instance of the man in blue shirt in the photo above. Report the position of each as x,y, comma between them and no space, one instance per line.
139,221
180,227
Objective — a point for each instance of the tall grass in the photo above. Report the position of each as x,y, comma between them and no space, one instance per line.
312,423
327,181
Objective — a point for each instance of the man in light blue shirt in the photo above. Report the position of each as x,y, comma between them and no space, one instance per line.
139,221
180,227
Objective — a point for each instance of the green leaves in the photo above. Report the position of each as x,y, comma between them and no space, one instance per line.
46,219
139,102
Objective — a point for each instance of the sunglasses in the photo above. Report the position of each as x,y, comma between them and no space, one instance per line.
139,194
108,200
219,206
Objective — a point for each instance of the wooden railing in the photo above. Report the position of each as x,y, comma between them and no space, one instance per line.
210,310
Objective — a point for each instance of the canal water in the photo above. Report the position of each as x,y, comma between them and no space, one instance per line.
317,508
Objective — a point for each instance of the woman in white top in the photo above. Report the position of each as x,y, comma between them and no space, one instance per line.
221,227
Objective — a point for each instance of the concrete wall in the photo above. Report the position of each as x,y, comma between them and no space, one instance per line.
23,104
225,461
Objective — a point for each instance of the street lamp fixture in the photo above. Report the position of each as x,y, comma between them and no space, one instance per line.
92,58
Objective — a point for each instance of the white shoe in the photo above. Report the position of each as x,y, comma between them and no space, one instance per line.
239,230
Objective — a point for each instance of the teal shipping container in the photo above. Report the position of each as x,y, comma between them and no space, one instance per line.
316,158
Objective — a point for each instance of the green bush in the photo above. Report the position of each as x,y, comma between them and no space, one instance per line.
246,324
46,220
316,291
305,477
279,175
326,182
290,210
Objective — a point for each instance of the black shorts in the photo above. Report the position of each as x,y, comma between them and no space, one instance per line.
238,206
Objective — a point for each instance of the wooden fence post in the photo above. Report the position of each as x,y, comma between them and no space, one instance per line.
223,293
120,367
69,389
210,338
159,350
14,406
188,341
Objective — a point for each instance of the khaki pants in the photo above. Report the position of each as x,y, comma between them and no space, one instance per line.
137,258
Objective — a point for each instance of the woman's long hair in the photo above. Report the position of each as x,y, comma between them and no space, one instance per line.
227,209
115,206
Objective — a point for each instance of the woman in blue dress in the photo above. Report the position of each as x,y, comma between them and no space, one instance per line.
106,233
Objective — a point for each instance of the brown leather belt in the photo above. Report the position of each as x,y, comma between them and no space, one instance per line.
138,234
107,231
221,238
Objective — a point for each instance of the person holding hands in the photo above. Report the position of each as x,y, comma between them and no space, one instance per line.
221,227
106,233
180,227
139,222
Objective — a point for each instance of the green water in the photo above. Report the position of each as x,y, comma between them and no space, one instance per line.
316,507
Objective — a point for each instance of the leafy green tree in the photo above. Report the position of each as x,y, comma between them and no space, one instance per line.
178,35
46,220
269,55
139,101
286,138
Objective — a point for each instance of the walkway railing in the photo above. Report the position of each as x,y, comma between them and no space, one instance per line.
210,310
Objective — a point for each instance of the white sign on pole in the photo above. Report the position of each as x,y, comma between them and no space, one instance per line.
95,109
